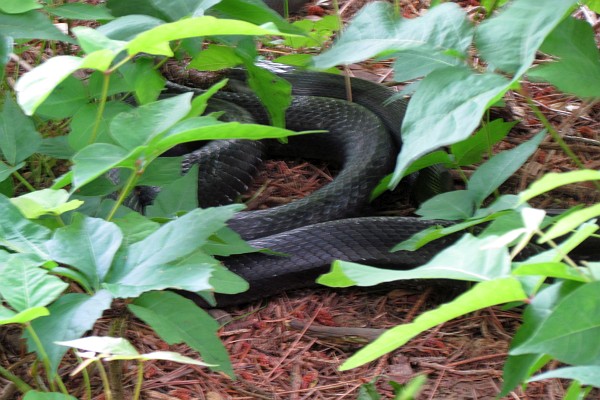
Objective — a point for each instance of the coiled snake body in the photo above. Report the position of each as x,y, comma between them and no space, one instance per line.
364,136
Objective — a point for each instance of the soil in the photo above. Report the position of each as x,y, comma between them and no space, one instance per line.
462,359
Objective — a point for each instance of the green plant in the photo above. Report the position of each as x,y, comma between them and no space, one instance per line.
50,237
447,105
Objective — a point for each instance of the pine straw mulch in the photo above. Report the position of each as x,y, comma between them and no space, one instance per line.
463,358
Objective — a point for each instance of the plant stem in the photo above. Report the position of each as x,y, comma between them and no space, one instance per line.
103,97
140,380
86,378
19,383
23,181
126,190
42,353
107,391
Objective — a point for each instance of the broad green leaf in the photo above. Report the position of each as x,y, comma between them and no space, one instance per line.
178,320
584,374
436,157
30,25
575,320
135,227
70,317
45,201
35,86
215,58
6,47
376,30
19,234
18,6
553,270
253,11
128,27
144,78
274,92
180,195
570,222
510,40
92,40
578,69
83,123
88,245
518,368
95,160
139,279
594,5
18,137
81,11
6,171
446,109
207,128
415,63
489,176
468,259
156,40
23,284
10,317
179,237
224,281
471,150
164,9
482,295
553,180
35,395
138,126
451,206
65,100
226,242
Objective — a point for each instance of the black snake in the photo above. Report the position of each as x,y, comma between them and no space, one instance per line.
364,136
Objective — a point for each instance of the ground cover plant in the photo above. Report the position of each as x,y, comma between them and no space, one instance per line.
67,255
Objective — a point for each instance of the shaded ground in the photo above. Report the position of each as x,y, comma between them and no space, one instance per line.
462,359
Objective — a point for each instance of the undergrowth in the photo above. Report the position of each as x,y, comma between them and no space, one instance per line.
68,251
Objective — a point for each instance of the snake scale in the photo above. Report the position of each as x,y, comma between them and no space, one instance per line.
363,136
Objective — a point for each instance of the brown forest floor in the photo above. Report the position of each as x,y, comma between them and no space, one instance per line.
463,359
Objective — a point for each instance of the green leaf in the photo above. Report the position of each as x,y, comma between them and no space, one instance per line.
18,137
178,320
179,237
128,27
215,58
510,40
594,5
94,160
138,126
585,374
19,234
88,245
578,69
274,92
81,11
135,227
416,63
455,205
145,79
30,25
156,40
10,317
70,317
91,40
376,30
489,176
65,100
575,320
46,201
35,395
23,284
482,295
471,150
553,180
253,11
83,123
553,270
18,6
6,47
180,195
446,109
570,222
36,85
466,260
